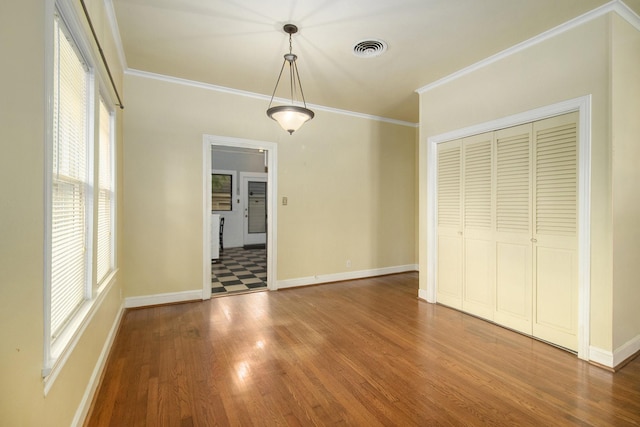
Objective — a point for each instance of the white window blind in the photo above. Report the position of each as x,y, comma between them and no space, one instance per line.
257,210
69,181
105,196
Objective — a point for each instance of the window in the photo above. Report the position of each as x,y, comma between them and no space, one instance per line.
70,180
257,207
221,192
105,195
80,192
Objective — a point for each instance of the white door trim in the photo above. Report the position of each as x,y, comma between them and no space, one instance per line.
583,106
272,190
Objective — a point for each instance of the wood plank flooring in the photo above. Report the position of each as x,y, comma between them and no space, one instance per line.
361,353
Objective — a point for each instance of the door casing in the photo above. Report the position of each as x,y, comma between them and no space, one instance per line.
428,202
272,212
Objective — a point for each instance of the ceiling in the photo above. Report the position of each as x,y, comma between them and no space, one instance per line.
239,43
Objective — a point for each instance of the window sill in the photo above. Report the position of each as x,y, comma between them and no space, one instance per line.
64,344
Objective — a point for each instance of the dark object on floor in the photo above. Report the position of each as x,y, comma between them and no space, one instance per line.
257,246
221,233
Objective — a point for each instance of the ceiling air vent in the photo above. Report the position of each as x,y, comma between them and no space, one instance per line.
369,48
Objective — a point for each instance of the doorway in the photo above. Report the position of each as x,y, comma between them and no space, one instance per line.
264,199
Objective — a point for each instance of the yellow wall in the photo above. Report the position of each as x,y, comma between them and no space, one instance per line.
572,64
625,99
22,127
350,184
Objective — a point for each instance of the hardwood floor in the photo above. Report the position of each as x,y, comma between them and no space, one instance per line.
362,353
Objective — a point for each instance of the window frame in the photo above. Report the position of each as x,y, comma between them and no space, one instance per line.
108,104
56,351
232,190
68,177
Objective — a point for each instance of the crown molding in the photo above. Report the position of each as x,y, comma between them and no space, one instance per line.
626,13
247,94
617,6
115,31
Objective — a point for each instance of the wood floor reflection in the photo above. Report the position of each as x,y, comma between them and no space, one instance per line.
362,353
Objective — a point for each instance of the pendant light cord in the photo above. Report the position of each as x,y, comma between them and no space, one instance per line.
292,64
290,45
104,59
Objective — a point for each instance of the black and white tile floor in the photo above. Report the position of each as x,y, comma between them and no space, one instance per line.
239,270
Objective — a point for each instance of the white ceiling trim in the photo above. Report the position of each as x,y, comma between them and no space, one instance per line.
627,14
617,6
115,32
208,86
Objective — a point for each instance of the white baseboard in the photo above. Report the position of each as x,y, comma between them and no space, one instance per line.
350,275
168,298
94,381
422,294
626,350
619,355
601,357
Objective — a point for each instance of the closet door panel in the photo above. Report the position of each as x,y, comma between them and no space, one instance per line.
513,290
555,230
556,296
478,224
514,271
479,277
449,240
450,271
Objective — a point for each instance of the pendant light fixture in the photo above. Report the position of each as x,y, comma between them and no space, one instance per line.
290,117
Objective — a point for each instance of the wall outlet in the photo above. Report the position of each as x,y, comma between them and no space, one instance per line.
348,263
284,201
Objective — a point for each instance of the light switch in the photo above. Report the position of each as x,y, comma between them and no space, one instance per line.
284,201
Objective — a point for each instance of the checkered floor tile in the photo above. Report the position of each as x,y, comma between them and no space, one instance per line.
239,270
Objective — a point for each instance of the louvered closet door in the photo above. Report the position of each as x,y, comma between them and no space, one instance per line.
513,307
555,230
449,244
477,216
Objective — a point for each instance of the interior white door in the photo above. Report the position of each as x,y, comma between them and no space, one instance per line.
254,198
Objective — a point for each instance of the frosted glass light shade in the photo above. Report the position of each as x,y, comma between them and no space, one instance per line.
290,117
